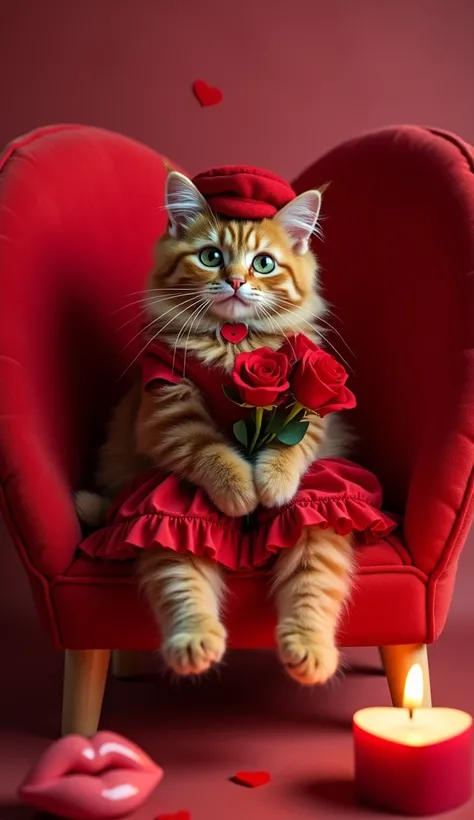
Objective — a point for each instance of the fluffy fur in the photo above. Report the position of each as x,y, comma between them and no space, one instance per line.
185,302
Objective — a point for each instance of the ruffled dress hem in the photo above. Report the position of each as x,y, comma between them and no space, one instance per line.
229,541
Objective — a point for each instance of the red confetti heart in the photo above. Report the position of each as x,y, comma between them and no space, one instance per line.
252,779
206,94
178,815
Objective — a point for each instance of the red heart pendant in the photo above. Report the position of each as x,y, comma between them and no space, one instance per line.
234,333
252,779
206,94
178,815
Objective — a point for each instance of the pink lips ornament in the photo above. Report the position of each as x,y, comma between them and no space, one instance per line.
88,779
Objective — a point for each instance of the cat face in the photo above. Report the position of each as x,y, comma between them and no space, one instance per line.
218,270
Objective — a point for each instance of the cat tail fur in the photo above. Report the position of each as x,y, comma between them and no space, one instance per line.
91,508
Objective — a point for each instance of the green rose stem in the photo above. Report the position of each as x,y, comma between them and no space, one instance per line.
297,407
258,427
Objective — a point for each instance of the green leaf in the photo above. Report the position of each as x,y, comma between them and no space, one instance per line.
293,433
300,416
240,432
276,422
233,395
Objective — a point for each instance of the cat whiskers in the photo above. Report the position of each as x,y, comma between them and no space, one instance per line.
263,314
296,330
273,321
317,318
145,297
140,353
191,319
161,316
151,302
197,315
146,290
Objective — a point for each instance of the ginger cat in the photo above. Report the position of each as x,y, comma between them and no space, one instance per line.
201,262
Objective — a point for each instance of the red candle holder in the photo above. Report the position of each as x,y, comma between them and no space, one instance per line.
417,765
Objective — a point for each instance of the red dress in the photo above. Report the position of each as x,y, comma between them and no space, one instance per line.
162,510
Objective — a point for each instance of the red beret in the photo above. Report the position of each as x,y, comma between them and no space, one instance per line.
243,192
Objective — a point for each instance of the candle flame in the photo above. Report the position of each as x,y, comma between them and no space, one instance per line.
413,694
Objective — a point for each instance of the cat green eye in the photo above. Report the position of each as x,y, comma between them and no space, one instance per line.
263,263
211,257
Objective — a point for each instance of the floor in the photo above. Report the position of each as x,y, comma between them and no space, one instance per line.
246,716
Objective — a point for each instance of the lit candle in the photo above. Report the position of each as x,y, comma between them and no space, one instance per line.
413,761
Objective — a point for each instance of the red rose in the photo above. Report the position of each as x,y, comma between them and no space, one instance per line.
261,377
318,382
296,346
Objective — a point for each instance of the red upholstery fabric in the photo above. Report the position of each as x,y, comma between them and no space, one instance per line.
79,211
386,577
78,222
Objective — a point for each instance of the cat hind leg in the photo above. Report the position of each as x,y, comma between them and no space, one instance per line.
311,584
185,594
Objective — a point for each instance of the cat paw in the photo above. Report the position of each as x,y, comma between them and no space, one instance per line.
236,505
277,478
231,484
193,651
304,657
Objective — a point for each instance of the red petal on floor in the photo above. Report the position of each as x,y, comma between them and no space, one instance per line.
252,779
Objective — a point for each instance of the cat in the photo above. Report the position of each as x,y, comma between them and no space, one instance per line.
186,299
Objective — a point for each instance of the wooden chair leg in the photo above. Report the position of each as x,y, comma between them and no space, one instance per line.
126,663
397,661
85,674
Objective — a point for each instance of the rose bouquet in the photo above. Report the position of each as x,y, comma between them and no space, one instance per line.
283,388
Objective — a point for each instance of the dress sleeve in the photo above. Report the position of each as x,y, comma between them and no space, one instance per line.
156,367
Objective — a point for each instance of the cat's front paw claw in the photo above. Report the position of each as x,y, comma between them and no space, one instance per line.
194,650
276,479
305,658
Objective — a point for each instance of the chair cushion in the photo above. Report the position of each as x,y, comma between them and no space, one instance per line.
112,613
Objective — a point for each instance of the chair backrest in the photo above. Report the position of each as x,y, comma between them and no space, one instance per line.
80,210
397,267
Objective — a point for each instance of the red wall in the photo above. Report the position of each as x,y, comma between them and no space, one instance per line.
297,77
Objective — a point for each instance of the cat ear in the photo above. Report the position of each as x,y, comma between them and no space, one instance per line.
183,202
298,219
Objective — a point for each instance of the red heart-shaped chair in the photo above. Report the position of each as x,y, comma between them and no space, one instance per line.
80,210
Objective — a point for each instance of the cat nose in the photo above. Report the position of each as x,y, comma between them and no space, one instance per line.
235,282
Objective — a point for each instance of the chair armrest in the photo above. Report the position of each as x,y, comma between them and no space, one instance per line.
435,551
41,519
440,503
35,496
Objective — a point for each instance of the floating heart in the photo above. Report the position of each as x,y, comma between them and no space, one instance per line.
234,333
252,779
178,815
206,94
